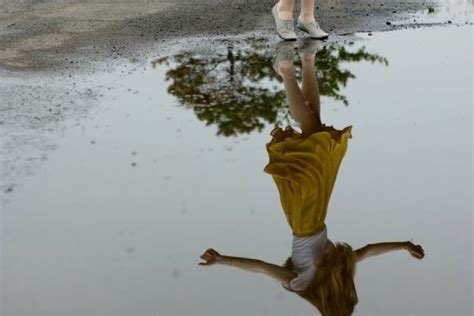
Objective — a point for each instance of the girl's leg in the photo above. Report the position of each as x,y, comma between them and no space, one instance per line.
307,10
285,9
298,109
310,86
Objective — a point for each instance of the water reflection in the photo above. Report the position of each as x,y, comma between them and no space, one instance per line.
239,92
304,163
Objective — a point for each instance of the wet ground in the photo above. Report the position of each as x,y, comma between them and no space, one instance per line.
115,182
49,34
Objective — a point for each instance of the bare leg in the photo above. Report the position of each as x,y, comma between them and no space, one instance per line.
307,10
285,9
310,86
298,109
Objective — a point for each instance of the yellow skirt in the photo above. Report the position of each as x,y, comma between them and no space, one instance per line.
304,170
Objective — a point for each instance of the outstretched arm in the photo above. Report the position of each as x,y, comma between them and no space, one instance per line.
274,271
371,250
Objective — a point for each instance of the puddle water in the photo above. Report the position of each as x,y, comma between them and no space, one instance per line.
115,220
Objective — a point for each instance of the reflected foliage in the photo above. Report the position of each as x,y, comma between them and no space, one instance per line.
331,76
238,90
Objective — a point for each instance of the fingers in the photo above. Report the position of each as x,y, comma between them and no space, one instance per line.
210,251
418,251
209,256
422,251
208,259
214,252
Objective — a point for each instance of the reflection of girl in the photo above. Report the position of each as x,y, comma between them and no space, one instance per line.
304,167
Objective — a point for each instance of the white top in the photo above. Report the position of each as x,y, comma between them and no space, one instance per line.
305,254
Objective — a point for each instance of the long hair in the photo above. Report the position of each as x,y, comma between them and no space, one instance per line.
332,290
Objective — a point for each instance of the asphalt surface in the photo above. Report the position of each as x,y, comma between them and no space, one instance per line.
40,35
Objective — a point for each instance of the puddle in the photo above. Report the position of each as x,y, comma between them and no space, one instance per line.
114,221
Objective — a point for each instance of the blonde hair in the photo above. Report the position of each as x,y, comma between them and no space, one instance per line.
332,290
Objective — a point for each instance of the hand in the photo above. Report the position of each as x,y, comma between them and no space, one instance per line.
210,257
416,251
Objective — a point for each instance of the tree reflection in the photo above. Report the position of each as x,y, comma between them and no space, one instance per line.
238,90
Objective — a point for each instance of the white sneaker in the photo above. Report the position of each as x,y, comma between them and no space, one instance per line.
285,28
312,28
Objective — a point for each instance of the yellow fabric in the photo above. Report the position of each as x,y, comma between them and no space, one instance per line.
304,170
